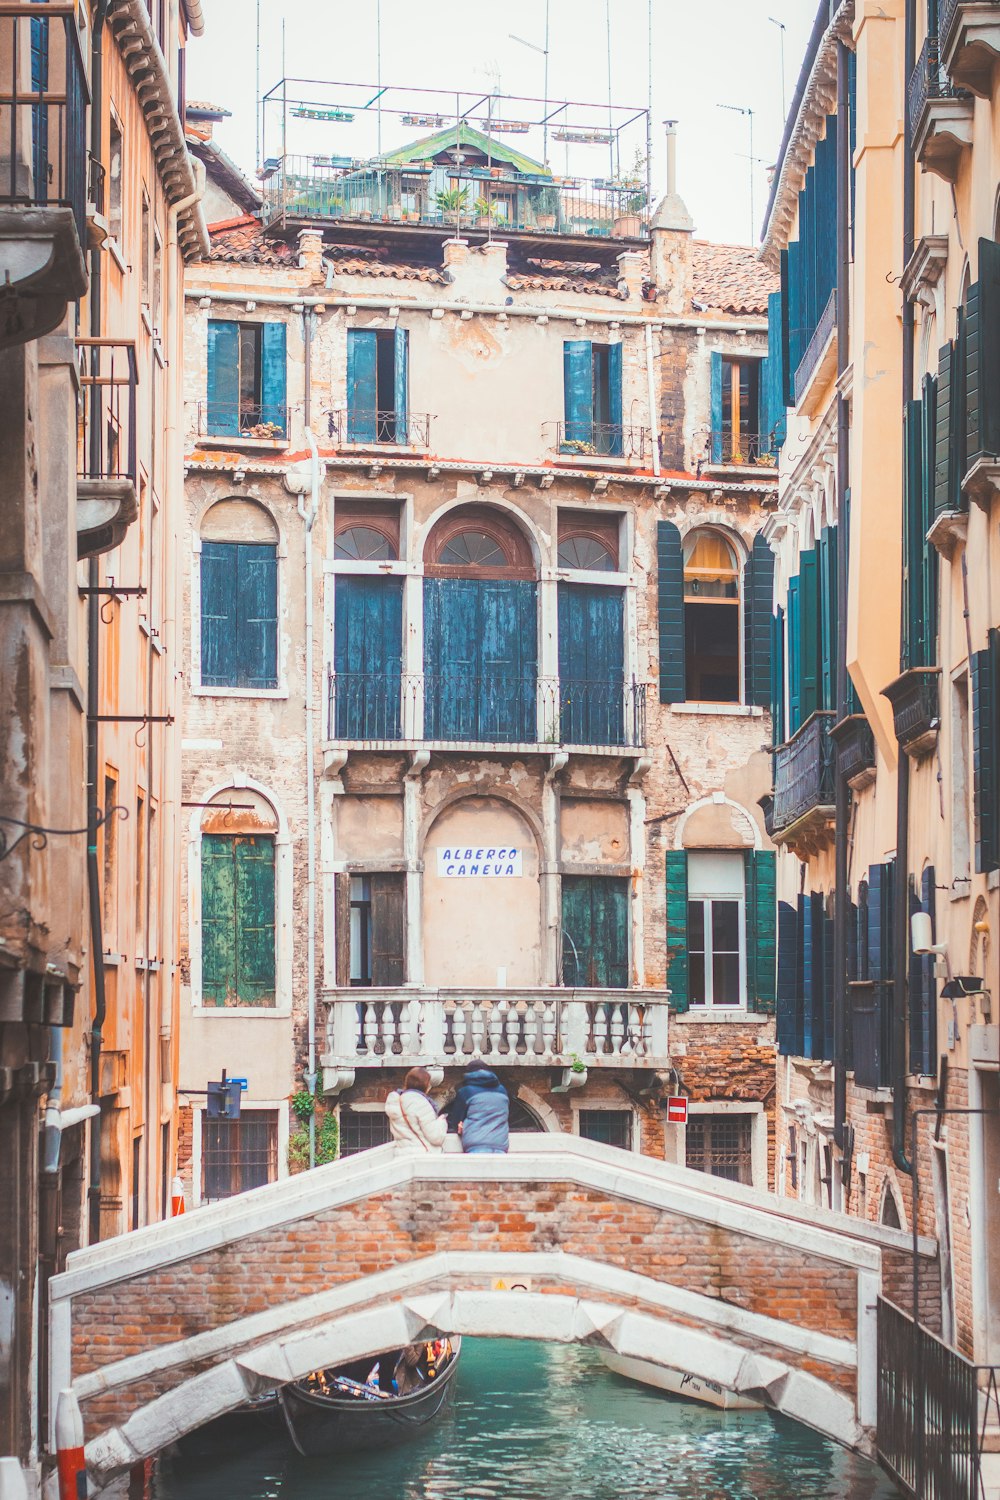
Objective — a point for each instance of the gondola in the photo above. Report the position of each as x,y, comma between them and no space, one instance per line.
339,1411
256,1423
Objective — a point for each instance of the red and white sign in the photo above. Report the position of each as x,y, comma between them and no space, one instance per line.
677,1109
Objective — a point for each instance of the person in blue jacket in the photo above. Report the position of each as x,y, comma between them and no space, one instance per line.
480,1112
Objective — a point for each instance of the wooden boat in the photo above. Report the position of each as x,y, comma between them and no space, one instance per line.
678,1383
339,1411
256,1423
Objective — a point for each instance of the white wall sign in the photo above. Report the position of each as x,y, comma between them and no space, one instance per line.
479,861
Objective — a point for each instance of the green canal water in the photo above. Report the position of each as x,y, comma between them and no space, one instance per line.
547,1422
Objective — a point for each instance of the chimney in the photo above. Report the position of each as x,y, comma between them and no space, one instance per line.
454,252
311,252
671,129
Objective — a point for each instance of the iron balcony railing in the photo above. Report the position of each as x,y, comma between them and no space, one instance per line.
241,419
43,108
949,13
351,427
467,198
585,440
804,771
754,449
107,434
928,82
387,707
818,340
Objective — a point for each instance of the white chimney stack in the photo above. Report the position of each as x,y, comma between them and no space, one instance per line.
671,129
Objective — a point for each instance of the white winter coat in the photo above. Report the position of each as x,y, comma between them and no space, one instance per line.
414,1121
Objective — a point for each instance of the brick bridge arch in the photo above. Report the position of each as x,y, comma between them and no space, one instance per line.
162,1329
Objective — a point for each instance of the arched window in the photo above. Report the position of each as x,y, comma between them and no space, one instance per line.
711,618
586,552
238,928
364,544
474,549
239,597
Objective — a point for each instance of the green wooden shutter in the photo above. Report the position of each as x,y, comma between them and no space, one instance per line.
401,384
257,616
761,925
218,908
577,930
670,612
758,590
223,379
609,954
974,448
362,397
809,633
219,606
677,928
949,425
989,347
928,553
616,435
578,390
255,927
789,999
986,753
827,550
388,895
718,406
794,653
778,677
273,376
923,987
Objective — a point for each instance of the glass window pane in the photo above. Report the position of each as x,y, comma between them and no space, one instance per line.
696,926
696,979
726,979
725,926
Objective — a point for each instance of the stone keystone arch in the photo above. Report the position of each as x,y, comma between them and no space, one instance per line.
162,1329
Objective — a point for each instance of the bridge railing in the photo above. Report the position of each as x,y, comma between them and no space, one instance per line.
595,1028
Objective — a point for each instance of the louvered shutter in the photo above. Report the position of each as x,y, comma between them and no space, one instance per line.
761,933
928,553
880,958
362,390
911,652
778,677
829,1029
255,925
257,616
794,652
219,606
989,347
789,996
670,612
787,394
949,430
273,376
677,928
974,447
223,379
986,753
401,384
578,390
718,405
827,562
613,444
758,591
809,633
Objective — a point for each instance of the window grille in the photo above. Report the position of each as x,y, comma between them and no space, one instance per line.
720,1146
612,1127
237,1155
361,1130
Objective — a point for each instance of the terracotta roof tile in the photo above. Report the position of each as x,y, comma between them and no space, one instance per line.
241,241
565,284
360,266
731,279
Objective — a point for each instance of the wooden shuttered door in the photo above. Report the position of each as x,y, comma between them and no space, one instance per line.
677,929
986,753
761,929
388,929
238,919
368,657
591,664
670,611
758,591
239,615
789,982
595,946
223,414
480,659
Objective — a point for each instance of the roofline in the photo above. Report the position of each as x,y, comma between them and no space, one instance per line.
195,17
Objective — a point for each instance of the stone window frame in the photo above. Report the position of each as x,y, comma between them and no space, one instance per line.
195,687
618,1106
758,1132
279,1106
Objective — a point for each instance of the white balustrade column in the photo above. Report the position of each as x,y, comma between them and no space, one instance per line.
549,879
412,789
656,1029
574,1028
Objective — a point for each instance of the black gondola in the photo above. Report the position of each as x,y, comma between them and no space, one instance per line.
338,1411
257,1423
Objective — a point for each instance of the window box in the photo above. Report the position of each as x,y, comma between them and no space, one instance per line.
803,808
855,750
916,712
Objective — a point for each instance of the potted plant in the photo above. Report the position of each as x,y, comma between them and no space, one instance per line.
547,208
486,212
453,203
395,212
577,445
629,221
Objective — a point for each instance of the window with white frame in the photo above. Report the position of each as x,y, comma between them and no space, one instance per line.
717,928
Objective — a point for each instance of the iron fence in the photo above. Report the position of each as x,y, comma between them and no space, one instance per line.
819,337
43,108
583,440
107,431
247,419
355,427
928,82
754,449
804,771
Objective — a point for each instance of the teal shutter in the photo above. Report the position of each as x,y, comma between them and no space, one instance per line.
577,930
827,549
273,376
255,931
949,441
362,399
718,406
772,390
595,932
986,753
257,616
787,394
480,659
223,379
758,590
401,383
218,906
795,315
761,925
670,611
789,998
778,677
578,394
677,928
809,633
367,655
219,601
615,436
591,664
807,913
989,351
794,653
912,649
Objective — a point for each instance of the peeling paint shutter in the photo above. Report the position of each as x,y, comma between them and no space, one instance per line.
761,936
401,383
986,753
218,905
368,644
758,589
273,376
388,929
257,616
223,379
219,602
362,396
677,928
718,405
789,1004
809,633
591,664
615,436
578,378
595,932
507,634
670,611
255,930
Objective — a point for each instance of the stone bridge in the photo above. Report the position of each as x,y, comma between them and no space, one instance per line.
162,1329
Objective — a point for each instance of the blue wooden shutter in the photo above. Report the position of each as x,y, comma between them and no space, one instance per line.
758,590
787,395
578,393
985,676
773,430
508,664
794,654
718,406
591,664
218,920
615,436
273,376
362,399
789,999
255,928
677,928
219,602
809,633
223,379
368,644
778,677
761,917
670,611
39,112
257,616
401,384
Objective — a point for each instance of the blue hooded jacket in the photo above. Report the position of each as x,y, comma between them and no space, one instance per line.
481,1106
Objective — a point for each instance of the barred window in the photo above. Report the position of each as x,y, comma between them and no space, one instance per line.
612,1127
361,1129
720,1145
237,1155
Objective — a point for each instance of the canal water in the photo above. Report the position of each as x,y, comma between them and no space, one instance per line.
537,1421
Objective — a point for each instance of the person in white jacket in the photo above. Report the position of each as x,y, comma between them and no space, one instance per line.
413,1120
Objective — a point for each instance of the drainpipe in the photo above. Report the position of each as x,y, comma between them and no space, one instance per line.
842,792
309,517
901,914
654,415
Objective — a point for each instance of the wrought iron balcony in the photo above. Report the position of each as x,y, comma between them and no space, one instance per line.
479,200
916,709
755,450
384,1028
107,439
43,165
588,443
239,421
352,428
969,32
939,114
802,813
820,355
855,750
373,709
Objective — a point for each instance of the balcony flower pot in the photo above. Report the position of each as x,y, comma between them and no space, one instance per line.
395,213
546,221
628,226
365,214
412,216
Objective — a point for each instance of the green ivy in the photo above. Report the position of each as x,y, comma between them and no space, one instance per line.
327,1140
303,1104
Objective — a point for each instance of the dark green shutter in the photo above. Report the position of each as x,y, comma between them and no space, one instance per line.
718,406
761,935
758,591
814,974
827,554
218,907
794,637
911,644
881,880
670,611
988,352
928,552
974,448
362,398
787,394
986,753
401,383
778,677
949,440
595,932
809,633
223,379
273,377
923,987
789,998
257,616
578,390
615,436
829,1036
254,920
368,645
219,603
677,928
591,664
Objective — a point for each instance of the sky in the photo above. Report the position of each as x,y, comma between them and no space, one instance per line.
706,54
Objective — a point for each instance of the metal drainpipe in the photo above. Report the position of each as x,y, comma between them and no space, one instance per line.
901,913
842,792
308,517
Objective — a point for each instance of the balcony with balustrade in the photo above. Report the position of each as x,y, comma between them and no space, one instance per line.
43,166
801,814
571,1029
939,114
969,33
